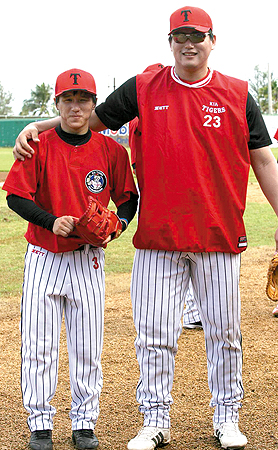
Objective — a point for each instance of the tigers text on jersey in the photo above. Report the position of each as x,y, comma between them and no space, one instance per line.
60,177
194,163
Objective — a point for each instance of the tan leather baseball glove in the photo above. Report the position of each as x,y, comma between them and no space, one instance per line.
272,279
97,224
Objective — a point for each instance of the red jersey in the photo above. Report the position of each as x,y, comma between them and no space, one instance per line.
194,163
276,134
60,177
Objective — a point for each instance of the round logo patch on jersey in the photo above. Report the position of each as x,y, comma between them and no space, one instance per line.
96,181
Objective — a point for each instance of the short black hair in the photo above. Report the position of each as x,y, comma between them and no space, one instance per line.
94,97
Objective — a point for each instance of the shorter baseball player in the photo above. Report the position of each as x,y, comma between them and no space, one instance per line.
63,274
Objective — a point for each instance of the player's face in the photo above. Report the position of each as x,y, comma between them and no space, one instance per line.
75,109
191,59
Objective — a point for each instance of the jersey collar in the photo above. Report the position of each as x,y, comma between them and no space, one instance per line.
198,84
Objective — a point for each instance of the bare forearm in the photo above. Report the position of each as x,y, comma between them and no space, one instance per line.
44,125
266,171
95,123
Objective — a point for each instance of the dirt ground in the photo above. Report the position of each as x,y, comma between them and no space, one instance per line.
191,416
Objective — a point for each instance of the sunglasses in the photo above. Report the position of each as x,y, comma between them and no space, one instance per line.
195,38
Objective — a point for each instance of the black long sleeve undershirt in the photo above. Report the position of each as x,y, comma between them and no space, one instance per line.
31,212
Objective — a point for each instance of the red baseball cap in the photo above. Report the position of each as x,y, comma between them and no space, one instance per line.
75,79
154,68
190,17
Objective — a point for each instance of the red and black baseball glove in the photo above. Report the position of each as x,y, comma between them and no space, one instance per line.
97,224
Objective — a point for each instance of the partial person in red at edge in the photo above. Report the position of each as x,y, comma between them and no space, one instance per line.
64,274
201,131
275,311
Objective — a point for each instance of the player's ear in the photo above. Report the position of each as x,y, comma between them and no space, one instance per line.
94,97
213,42
170,39
56,101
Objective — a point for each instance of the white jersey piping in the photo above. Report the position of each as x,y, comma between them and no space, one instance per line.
198,84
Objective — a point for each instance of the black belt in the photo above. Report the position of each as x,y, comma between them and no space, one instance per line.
82,247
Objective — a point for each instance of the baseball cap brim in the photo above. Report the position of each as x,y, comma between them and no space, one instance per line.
73,89
194,27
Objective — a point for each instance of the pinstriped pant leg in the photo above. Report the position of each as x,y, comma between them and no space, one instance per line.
84,317
219,305
191,313
159,282
41,316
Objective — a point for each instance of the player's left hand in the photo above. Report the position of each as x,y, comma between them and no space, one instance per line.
109,239
98,225
64,225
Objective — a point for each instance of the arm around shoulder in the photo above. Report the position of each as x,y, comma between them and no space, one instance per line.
22,149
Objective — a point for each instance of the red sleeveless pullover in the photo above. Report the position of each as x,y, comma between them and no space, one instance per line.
194,163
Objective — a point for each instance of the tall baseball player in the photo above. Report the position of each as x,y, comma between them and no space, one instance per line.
201,130
62,273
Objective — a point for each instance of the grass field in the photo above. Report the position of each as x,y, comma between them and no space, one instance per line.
6,158
260,223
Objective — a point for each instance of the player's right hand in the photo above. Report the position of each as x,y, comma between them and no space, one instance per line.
64,225
22,149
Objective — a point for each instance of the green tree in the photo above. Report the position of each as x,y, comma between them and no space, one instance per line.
259,89
5,100
274,86
38,104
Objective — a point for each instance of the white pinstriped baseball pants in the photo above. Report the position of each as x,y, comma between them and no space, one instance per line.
190,313
55,283
158,288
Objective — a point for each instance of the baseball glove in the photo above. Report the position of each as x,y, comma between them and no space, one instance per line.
97,224
272,279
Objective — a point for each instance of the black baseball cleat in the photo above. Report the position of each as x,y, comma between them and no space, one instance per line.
84,439
41,440
193,325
